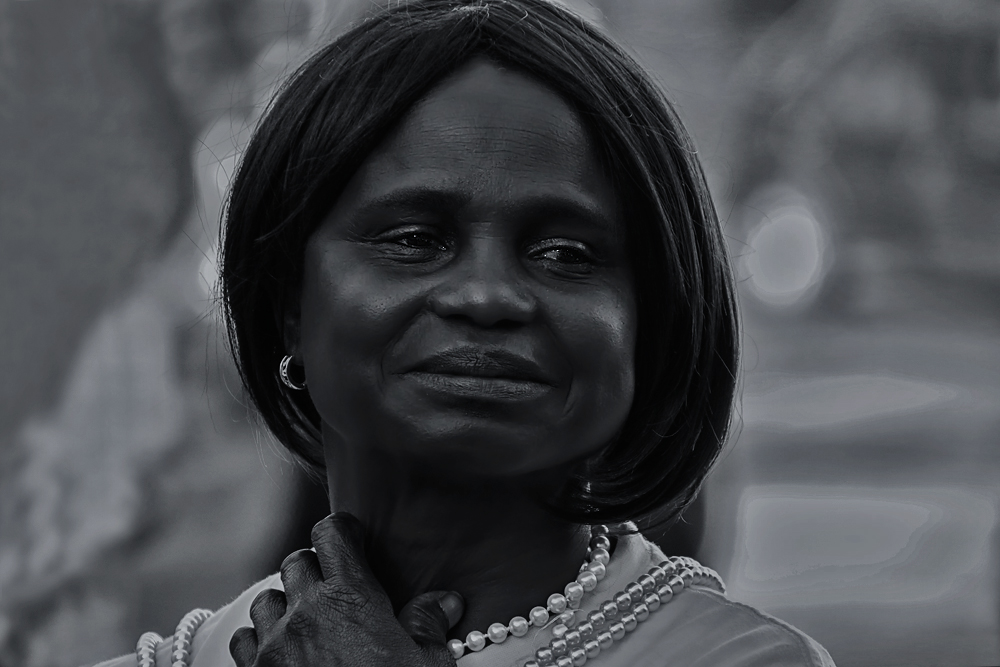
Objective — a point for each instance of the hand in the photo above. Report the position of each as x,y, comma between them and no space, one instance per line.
333,613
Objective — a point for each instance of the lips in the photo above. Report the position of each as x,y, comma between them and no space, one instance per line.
486,363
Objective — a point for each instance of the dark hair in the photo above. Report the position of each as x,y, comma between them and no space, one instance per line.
336,107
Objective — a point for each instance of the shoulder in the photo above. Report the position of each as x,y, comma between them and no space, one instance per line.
210,647
701,627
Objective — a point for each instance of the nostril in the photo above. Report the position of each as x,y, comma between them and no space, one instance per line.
500,324
485,303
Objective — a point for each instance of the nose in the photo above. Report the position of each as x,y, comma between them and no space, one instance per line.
485,286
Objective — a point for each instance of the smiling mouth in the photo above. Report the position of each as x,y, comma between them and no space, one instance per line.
488,364
480,386
478,373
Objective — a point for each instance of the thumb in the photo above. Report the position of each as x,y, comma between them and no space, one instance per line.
428,617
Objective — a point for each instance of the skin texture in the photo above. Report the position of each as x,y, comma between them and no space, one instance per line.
484,229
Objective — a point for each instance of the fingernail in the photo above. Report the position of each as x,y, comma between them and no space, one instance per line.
453,605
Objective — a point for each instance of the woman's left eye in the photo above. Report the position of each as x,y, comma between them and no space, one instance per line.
566,254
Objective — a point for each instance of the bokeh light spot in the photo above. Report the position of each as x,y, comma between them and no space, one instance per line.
787,258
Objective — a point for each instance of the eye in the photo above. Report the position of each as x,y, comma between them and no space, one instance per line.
565,255
412,244
419,240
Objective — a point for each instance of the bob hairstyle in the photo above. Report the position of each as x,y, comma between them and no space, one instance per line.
334,110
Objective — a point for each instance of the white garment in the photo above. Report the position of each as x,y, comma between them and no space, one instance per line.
697,628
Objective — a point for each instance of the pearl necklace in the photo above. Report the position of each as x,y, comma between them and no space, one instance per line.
620,615
572,645
563,605
145,649
573,642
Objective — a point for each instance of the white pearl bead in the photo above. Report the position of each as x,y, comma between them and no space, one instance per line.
456,647
519,625
600,542
588,580
599,570
559,630
630,622
497,633
602,556
574,591
475,640
593,648
539,616
579,657
556,603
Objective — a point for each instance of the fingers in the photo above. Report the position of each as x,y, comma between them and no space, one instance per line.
300,572
339,540
266,609
428,617
243,647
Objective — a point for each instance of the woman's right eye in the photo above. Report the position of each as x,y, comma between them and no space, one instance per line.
419,240
412,245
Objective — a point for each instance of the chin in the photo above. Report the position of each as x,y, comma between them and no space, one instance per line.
478,447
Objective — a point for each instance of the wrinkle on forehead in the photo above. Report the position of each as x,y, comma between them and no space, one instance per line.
498,126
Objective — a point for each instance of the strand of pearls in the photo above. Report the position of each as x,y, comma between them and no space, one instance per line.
562,606
572,645
145,649
180,652
184,635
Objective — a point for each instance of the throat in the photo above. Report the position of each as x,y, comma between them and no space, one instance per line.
502,551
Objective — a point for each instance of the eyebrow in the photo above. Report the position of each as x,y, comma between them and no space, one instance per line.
421,199
418,199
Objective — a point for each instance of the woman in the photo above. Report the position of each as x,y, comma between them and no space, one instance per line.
474,280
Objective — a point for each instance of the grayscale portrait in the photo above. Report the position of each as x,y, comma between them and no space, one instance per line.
499,333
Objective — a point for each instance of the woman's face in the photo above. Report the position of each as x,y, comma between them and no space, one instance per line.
468,305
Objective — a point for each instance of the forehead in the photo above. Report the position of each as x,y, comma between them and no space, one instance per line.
490,130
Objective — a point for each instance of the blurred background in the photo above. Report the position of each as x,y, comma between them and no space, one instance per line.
853,149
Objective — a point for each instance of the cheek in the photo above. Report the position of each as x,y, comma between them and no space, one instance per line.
601,338
349,318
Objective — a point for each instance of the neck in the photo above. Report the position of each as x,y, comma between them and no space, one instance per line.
488,540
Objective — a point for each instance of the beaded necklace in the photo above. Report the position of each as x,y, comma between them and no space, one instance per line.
145,649
576,636
561,605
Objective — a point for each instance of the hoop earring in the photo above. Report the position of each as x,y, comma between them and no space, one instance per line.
283,374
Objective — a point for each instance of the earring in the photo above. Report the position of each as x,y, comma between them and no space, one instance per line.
283,374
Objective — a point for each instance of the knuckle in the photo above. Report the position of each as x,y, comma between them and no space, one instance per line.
268,603
323,530
294,559
242,645
268,598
